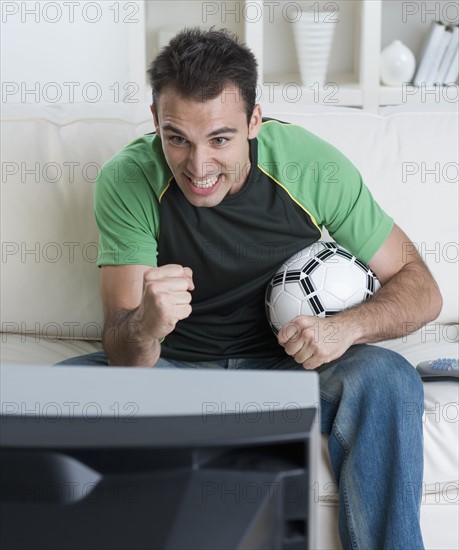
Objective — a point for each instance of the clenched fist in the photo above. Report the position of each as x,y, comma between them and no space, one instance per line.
313,341
166,298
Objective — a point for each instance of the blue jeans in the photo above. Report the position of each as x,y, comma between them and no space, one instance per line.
371,408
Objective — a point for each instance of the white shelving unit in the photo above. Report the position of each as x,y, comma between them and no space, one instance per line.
347,68
364,28
121,38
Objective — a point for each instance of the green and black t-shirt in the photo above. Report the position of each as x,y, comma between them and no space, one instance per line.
297,184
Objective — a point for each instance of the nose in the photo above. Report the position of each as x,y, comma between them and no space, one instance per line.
199,164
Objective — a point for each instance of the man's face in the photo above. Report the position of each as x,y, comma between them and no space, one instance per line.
206,143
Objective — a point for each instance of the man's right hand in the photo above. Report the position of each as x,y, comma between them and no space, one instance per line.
166,299
142,305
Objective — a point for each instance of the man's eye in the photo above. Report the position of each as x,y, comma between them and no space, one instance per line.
220,141
177,140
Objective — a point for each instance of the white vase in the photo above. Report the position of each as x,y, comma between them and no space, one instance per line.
397,64
313,34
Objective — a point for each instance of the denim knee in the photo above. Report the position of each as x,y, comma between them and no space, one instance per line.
395,372
367,370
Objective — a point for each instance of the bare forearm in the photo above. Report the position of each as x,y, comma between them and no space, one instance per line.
409,300
126,344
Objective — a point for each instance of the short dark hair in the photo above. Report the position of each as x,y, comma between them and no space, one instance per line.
199,64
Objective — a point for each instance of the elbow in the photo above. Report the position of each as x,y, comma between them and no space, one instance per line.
433,303
436,302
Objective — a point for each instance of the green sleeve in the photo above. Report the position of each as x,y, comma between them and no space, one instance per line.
324,182
126,211
346,207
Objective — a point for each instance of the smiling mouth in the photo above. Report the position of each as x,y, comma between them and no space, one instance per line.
206,183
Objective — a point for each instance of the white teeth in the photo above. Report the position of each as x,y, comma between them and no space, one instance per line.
205,183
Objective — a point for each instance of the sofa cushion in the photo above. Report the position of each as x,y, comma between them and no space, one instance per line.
36,349
49,237
51,154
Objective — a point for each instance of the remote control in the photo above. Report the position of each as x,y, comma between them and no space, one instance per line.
439,369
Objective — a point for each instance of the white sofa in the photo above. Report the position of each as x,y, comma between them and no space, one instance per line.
50,306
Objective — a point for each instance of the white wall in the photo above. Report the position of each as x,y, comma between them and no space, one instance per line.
71,52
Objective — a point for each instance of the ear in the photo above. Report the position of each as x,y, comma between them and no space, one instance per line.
255,122
155,119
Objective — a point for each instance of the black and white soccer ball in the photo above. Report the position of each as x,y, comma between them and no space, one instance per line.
320,280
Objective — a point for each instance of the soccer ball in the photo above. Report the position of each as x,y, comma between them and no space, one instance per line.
320,280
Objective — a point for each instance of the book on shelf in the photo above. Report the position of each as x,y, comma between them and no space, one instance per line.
427,55
453,72
433,77
436,55
448,69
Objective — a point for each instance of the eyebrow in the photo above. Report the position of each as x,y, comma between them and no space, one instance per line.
223,130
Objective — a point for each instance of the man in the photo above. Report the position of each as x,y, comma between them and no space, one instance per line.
194,220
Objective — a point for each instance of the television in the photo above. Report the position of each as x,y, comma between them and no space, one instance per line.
101,458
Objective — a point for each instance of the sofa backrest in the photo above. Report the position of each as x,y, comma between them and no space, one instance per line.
51,154
50,158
